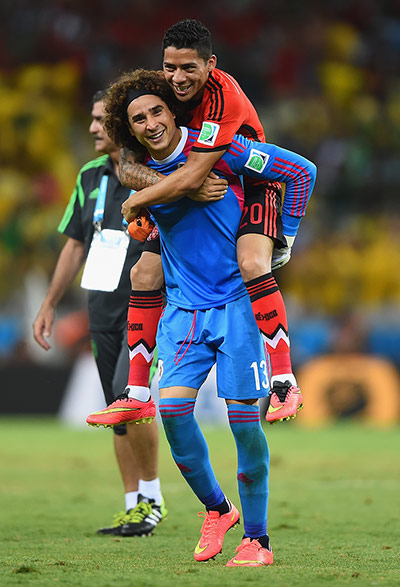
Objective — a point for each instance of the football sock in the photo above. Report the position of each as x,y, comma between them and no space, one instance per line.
138,392
263,540
144,312
270,314
151,490
284,377
253,467
189,449
222,508
131,500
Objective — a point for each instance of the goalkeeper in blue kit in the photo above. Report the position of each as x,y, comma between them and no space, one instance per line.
208,317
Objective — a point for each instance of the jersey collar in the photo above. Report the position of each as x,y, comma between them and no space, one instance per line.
178,149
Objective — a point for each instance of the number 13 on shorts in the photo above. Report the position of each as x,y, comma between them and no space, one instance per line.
261,378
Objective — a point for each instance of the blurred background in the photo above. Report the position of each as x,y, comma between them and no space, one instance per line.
324,77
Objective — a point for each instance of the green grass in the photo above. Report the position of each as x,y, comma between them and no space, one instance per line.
333,513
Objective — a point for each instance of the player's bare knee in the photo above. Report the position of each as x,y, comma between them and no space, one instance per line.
144,278
253,266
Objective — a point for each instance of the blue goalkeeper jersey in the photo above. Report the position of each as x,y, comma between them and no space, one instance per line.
198,240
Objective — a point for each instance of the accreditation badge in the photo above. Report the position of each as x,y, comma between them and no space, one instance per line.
105,260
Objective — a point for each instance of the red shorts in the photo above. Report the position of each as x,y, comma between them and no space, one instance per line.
262,211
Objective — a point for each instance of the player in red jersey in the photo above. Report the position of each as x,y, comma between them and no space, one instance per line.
216,104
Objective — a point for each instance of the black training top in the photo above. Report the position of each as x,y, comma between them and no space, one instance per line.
107,310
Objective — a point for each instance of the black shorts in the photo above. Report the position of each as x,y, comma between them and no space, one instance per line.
262,211
112,359
152,243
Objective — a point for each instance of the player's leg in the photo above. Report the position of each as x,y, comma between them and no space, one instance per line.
191,364
145,305
252,476
260,230
149,508
106,348
241,380
136,447
144,311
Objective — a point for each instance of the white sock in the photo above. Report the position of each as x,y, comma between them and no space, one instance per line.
284,377
151,490
131,499
142,394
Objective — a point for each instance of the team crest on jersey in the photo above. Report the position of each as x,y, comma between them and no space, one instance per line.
208,134
257,161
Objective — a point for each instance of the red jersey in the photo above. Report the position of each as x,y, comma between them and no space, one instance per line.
224,111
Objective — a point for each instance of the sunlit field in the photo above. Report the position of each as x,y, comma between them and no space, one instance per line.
333,514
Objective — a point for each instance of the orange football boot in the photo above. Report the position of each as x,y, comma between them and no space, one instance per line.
124,410
213,530
286,399
250,553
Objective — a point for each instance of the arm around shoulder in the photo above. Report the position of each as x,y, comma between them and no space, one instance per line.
135,175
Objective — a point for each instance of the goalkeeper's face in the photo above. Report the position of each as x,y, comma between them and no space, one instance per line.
153,125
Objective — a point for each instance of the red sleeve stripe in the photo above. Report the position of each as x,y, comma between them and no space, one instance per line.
236,148
301,182
193,134
304,179
300,195
217,99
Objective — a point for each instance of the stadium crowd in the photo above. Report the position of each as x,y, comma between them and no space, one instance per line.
324,77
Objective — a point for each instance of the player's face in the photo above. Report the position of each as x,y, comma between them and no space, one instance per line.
153,124
186,72
102,142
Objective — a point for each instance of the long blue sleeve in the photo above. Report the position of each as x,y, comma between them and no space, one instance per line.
266,161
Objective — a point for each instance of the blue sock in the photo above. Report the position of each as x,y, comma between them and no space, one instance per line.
253,467
189,449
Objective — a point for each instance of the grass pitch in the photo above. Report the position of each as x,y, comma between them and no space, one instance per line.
333,514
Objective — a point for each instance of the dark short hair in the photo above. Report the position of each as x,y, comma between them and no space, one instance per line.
115,121
189,34
99,96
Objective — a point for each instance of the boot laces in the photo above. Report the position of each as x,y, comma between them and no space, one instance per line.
209,526
140,512
122,395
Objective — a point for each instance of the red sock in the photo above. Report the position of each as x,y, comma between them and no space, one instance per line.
144,312
270,314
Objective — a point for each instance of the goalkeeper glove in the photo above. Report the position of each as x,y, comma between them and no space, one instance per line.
282,256
141,226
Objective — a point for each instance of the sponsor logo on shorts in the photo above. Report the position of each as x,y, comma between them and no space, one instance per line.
267,316
154,234
257,161
208,134
132,326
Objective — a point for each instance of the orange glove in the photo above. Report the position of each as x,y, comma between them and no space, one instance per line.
141,226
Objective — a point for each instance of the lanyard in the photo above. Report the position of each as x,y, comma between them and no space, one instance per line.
98,213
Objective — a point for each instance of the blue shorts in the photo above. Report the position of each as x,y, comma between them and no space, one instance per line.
190,342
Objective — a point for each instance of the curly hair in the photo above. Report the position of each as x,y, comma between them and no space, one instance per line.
115,120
